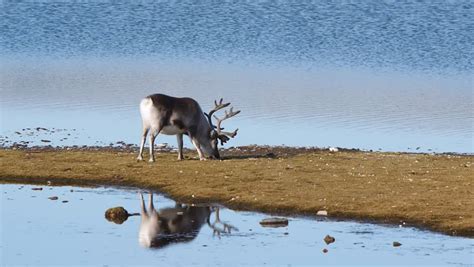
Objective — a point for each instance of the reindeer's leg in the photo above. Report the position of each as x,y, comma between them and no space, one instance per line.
152,147
151,207
142,144
142,204
153,134
198,148
180,146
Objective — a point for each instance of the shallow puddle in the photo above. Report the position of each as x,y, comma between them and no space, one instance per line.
72,230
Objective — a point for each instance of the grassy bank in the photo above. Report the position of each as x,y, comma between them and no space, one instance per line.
430,191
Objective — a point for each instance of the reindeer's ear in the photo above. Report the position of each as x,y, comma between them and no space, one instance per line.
223,139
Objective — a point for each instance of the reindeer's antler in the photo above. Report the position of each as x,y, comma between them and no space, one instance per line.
217,106
225,136
226,228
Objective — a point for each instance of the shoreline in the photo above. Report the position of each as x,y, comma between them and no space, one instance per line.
428,191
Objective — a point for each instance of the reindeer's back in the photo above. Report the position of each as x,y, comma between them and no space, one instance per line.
167,110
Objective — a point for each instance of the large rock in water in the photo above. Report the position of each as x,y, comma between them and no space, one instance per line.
117,215
274,222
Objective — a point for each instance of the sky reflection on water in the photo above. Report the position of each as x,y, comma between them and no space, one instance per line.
76,232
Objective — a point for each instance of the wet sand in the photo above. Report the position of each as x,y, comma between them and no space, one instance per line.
432,191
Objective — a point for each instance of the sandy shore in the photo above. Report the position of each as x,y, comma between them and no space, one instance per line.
427,191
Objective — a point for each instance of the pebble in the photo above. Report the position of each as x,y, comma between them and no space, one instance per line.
274,222
329,239
117,215
322,213
53,198
325,250
396,244
37,188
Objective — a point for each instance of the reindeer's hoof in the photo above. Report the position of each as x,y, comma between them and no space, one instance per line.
202,159
151,160
139,159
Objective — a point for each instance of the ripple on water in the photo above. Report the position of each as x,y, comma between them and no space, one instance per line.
385,74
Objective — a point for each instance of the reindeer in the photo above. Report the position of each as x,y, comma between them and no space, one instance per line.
173,225
183,116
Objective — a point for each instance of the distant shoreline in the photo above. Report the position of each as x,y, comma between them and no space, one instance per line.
432,191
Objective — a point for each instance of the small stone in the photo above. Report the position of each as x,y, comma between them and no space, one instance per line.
325,250
37,188
396,244
274,222
65,201
45,141
333,149
117,215
322,213
53,198
329,239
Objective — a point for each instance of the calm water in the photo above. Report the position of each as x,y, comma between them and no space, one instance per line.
366,74
38,231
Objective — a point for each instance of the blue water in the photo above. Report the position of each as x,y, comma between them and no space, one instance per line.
38,231
428,35
388,75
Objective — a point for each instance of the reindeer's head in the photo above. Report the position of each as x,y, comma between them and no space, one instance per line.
216,134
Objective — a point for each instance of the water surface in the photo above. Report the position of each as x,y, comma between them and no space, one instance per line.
372,74
38,231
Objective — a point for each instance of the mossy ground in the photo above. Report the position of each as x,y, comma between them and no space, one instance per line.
429,191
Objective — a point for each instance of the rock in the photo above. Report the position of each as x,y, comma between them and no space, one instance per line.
37,188
325,250
396,244
117,215
65,201
322,213
274,222
333,149
45,141
53,198
329,239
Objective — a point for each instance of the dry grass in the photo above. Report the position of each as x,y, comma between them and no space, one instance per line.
430,191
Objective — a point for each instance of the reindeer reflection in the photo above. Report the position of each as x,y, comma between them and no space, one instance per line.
179,224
